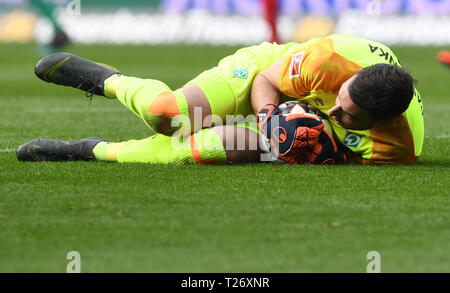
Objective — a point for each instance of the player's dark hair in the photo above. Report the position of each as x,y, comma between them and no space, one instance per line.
384,90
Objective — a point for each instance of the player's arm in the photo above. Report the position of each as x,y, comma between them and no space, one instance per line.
265,88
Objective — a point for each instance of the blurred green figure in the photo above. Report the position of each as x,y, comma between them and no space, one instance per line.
47,9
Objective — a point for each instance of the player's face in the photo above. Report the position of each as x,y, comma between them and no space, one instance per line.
346,113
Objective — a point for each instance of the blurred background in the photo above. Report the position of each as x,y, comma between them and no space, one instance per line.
222,22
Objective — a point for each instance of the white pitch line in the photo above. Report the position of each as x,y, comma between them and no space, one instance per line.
69,110
7,150
436,106
442,136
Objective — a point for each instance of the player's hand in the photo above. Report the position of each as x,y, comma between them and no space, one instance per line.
298,138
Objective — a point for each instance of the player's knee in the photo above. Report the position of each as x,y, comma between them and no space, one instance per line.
161,112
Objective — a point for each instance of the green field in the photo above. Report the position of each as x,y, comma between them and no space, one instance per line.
245,218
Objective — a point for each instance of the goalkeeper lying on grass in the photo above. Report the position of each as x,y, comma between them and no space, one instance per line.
356,84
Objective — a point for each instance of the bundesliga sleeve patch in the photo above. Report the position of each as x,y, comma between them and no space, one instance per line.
240,73
294,67
352,140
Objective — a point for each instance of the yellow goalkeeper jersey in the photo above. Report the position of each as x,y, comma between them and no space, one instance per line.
313,72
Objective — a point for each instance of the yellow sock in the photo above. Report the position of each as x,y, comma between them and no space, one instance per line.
100,150
111,85
203,147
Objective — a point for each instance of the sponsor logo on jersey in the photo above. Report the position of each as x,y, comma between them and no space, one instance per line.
240,73
352,140
294,67
279,134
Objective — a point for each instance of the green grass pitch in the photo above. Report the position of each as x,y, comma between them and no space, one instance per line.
246,218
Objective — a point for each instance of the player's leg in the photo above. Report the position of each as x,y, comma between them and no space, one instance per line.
162,109
227,86
221,91
216,145
207,99
241,143
150,99
47,9
270,14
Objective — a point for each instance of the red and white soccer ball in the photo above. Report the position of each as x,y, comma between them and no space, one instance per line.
294,107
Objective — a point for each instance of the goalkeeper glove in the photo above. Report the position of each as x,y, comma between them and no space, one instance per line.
298,138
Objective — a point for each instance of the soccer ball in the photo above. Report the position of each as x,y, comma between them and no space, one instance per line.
294,107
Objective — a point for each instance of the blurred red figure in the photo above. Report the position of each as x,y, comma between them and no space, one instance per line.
270,13
444,57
